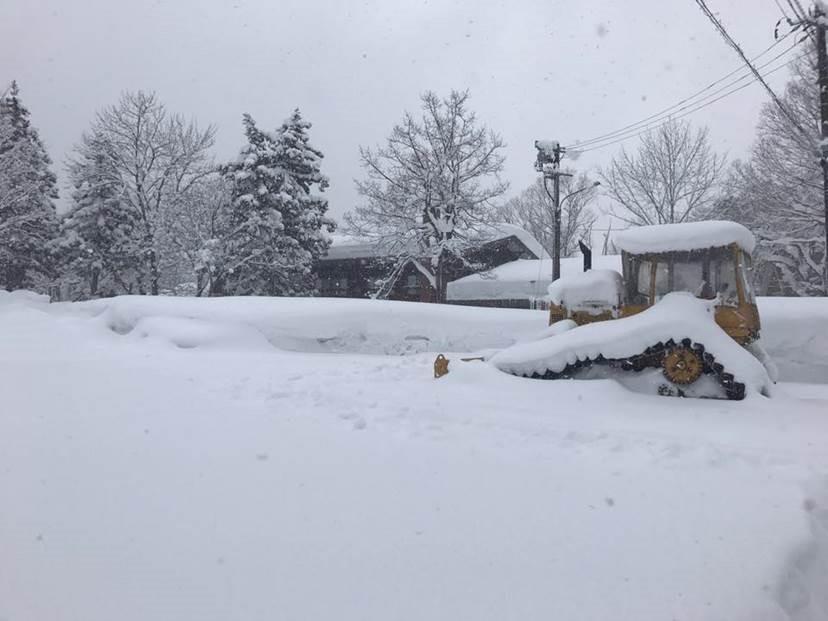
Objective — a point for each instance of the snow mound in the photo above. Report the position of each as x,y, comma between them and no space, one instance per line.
23,297
677,316
584,290
189,333
794,334
313,325
684,236
559,327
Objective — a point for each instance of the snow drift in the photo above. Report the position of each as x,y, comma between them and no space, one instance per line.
314,324
793,329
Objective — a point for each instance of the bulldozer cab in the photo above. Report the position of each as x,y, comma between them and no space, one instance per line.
710,273
711,260
716,273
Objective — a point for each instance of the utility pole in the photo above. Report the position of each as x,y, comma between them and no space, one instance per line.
556,245
548,163
822,71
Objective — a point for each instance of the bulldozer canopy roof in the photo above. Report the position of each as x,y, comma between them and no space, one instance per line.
685,236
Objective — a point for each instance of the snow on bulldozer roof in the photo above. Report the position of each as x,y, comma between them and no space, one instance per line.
575,291
684,236
677,316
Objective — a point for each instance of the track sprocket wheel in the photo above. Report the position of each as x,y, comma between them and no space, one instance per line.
682,366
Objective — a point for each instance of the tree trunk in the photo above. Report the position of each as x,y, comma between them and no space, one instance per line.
440,276
93,282
216,287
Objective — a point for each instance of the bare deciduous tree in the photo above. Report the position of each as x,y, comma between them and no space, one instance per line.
155,158
431,184
672,177
778,192
194,236
534,211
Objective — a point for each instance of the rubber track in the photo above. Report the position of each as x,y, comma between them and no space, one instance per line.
651,358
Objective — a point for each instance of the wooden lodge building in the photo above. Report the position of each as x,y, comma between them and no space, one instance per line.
356,269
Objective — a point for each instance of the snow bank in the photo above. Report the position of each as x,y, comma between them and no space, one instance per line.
677,316
314,324
22,297
191,333
684,236
587,289
793,329
795,334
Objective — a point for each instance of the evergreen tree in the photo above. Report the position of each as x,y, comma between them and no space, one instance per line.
28,221
303,213
99,245
275,221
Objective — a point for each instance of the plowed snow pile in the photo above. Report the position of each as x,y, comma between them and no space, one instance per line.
169,459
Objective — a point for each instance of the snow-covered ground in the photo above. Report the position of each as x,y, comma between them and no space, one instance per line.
278,459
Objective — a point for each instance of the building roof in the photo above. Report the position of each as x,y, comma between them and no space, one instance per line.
522,279
503,230
347,247
684,236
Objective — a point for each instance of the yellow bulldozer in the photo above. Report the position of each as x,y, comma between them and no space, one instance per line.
676,281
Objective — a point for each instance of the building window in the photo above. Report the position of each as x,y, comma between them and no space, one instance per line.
334,286
412,283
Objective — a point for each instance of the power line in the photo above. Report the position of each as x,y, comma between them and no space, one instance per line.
674,109
801,18
781,10
730,41
686,99
697,106
798,11
685,110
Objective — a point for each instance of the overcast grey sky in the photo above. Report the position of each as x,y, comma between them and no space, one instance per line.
557,69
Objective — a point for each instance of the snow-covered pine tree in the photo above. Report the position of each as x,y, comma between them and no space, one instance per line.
28,221
303,212
255,264
275,221
99,245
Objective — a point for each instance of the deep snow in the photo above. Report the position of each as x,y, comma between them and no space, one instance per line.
168,459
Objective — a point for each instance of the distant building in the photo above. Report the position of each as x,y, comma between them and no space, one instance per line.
519,284
357,269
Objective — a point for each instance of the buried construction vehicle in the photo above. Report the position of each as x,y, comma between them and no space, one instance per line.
681,320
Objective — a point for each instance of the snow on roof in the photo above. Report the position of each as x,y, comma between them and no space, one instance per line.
522,279
347,247
502,230
578,290
677,316
684,236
